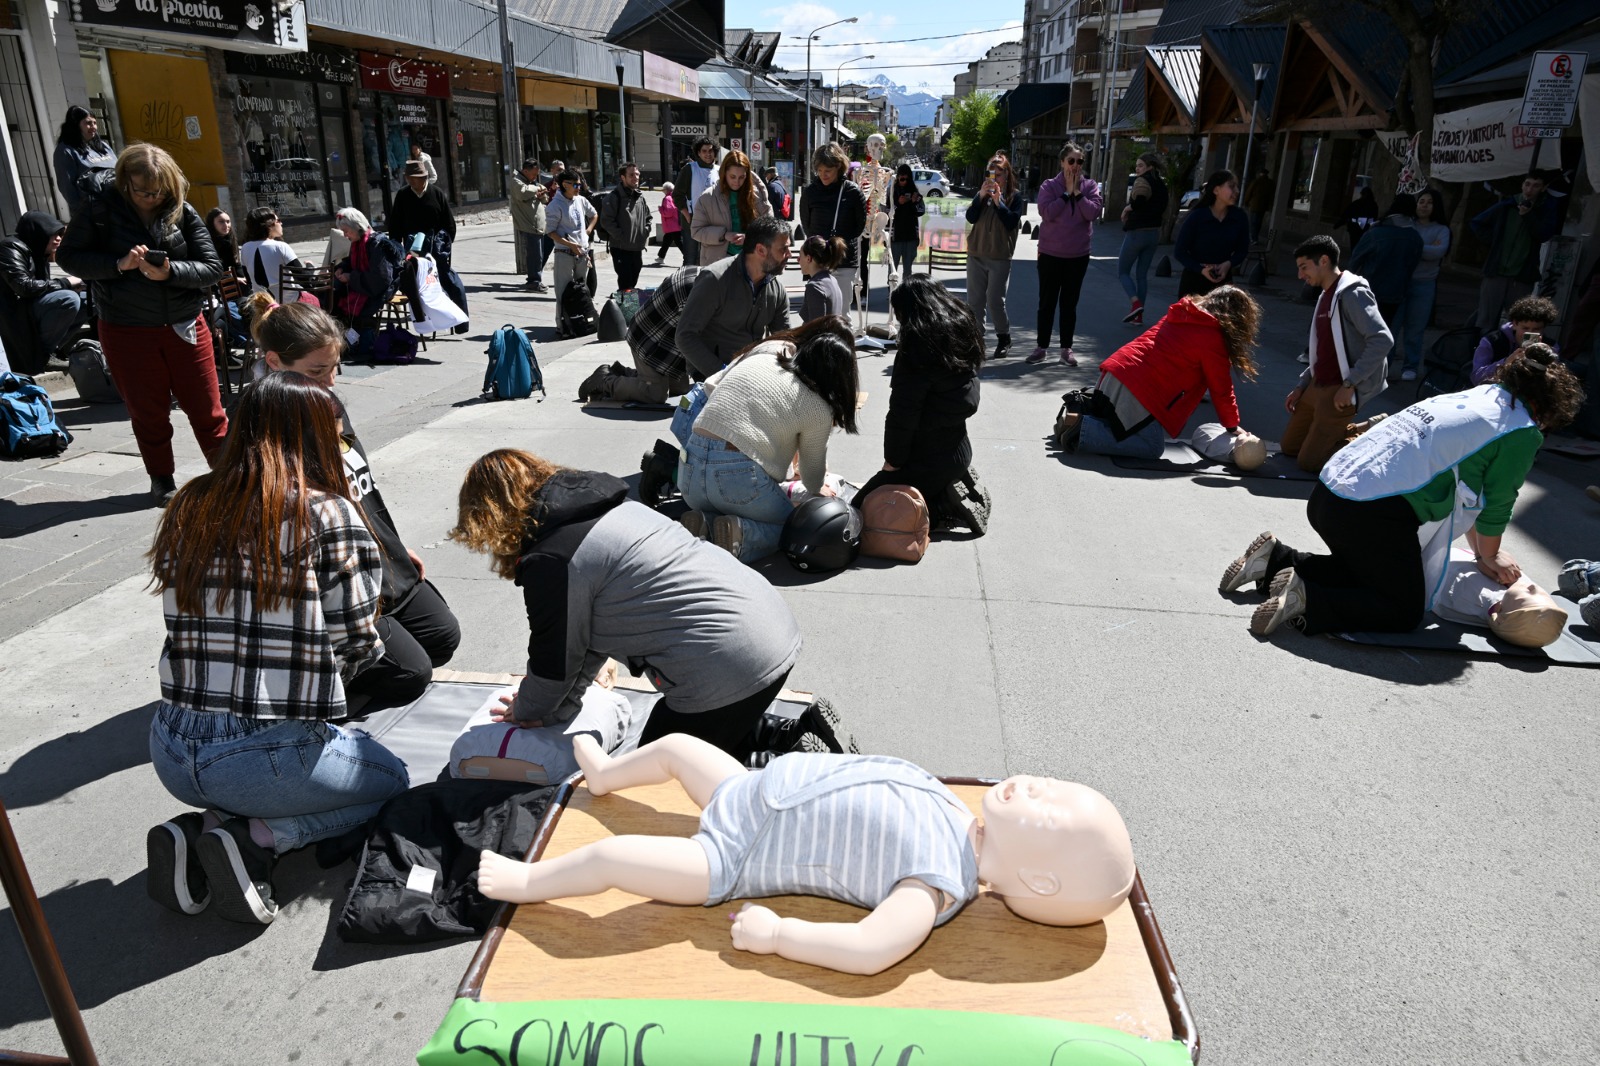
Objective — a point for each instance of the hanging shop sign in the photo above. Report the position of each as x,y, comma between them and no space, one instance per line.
689,129
246,25
670,79
320,64
408,77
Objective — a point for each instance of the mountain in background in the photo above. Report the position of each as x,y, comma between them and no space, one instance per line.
916,109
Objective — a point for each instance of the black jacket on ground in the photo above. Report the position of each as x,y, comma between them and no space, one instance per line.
429,213
817,214
105,229
24,262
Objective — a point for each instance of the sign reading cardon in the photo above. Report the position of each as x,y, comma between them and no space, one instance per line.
252,25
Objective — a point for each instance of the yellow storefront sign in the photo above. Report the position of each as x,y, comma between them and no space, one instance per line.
167,101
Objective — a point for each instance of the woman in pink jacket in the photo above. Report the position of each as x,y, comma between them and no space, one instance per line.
1070,203
670,226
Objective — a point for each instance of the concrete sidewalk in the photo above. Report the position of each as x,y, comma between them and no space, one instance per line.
1357,854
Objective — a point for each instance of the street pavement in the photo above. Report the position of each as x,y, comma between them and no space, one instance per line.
1358,855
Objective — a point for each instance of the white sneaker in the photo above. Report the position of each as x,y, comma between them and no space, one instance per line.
1286,602
1408,374
1303,357
1249,567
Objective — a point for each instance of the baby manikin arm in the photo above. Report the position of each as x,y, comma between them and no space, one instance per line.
894,929
1466,595
1522,613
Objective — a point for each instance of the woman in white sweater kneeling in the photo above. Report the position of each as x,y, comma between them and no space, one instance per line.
779,398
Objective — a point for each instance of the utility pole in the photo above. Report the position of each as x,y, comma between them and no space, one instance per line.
1116,49
508,89
622,116
1105,28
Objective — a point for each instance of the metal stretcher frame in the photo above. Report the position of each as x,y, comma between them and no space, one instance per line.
1163,969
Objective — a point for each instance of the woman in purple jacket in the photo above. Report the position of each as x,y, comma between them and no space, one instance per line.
1070,203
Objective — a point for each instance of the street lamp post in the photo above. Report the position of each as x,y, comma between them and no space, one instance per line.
804,169
1261,70
839,71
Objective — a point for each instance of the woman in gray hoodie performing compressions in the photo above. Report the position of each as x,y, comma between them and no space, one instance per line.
604,576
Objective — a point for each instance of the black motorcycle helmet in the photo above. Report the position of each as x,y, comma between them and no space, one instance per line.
824,533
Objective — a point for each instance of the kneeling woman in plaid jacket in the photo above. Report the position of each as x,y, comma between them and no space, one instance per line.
270,581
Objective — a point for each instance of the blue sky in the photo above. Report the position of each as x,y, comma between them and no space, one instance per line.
925,66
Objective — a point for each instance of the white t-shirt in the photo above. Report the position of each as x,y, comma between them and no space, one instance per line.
275,255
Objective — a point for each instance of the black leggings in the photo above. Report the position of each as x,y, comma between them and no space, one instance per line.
729,728
1059,279
1371,580
419,636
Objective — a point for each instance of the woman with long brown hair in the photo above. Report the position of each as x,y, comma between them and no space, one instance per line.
605,576
270,582
779,398
995,214
726,208
1150,386
149,260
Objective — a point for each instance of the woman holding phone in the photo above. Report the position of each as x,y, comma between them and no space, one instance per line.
149,258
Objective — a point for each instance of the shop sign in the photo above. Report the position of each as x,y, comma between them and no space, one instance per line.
670,79
410,77
689,129
338,68
555,94
224,24
1551,96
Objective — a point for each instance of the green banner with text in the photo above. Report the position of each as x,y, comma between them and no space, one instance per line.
653,1032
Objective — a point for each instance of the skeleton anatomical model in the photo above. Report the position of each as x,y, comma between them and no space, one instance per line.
874,179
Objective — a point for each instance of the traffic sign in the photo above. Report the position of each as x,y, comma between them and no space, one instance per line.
736,143
755,150
1551,96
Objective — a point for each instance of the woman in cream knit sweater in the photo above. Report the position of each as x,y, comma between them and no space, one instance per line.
779,398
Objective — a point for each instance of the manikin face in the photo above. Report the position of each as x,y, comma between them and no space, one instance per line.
1319,272
735,177
89,126
1054,851
320,366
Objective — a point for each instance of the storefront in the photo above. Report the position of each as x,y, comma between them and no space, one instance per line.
400,103
292,143
557,124
478,136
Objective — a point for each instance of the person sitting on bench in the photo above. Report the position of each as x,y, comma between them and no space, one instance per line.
1390,503
1055,852
53,307
1150,386
604,576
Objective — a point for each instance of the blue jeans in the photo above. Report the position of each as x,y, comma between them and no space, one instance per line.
1414,315
57,314
1133,263
688,245
1096,438
904,256
719,480
306,779
535,250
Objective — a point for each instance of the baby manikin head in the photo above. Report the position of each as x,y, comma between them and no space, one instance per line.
1248,451
1527,616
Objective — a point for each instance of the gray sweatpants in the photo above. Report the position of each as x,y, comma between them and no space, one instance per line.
648,386
986,288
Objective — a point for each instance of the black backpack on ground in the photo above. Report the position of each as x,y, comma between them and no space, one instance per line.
577,316
1448,365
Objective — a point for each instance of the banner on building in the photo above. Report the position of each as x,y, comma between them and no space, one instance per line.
243,25
408,77
1476,144
670,79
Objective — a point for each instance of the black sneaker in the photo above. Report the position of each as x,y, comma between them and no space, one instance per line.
162,489
966,504
175,879
240,873
658,474
824,730
596,386
1002,346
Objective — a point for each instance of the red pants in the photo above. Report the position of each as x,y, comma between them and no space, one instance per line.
152,364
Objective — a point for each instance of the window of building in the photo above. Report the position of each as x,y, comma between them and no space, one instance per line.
1305,168
280,146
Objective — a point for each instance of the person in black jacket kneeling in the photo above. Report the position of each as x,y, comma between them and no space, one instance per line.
933,391
418,629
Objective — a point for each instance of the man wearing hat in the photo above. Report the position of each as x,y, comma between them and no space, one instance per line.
528,200
420,208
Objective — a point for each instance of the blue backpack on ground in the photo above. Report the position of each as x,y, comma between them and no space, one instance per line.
513,371
28,427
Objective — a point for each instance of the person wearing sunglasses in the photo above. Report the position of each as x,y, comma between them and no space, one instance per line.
1069,203
148,258
995,214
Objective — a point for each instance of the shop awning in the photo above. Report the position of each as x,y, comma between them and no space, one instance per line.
718,82
1172,86
1228,56
1030,100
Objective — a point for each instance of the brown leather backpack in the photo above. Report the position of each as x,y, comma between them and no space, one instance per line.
895,521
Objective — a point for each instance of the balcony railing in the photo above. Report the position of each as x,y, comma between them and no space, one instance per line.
1127,59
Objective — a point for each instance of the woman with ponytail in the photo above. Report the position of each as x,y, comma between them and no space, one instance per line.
819,256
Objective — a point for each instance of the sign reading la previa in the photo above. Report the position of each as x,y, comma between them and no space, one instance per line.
1551,97
257,25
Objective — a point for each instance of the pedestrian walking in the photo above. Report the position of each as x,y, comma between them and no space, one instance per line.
995,214
1142,219
625,216
529,198
1069,204
697,175
905,232
671,225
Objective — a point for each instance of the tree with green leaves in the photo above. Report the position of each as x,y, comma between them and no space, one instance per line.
977,131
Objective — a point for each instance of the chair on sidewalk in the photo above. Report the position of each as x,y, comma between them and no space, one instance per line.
233,355
1448,365
318,283
939,259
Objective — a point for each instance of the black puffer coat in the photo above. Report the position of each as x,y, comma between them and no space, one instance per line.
24,262
842,201
102,233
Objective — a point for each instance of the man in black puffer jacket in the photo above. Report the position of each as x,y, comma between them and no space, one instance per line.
53,308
